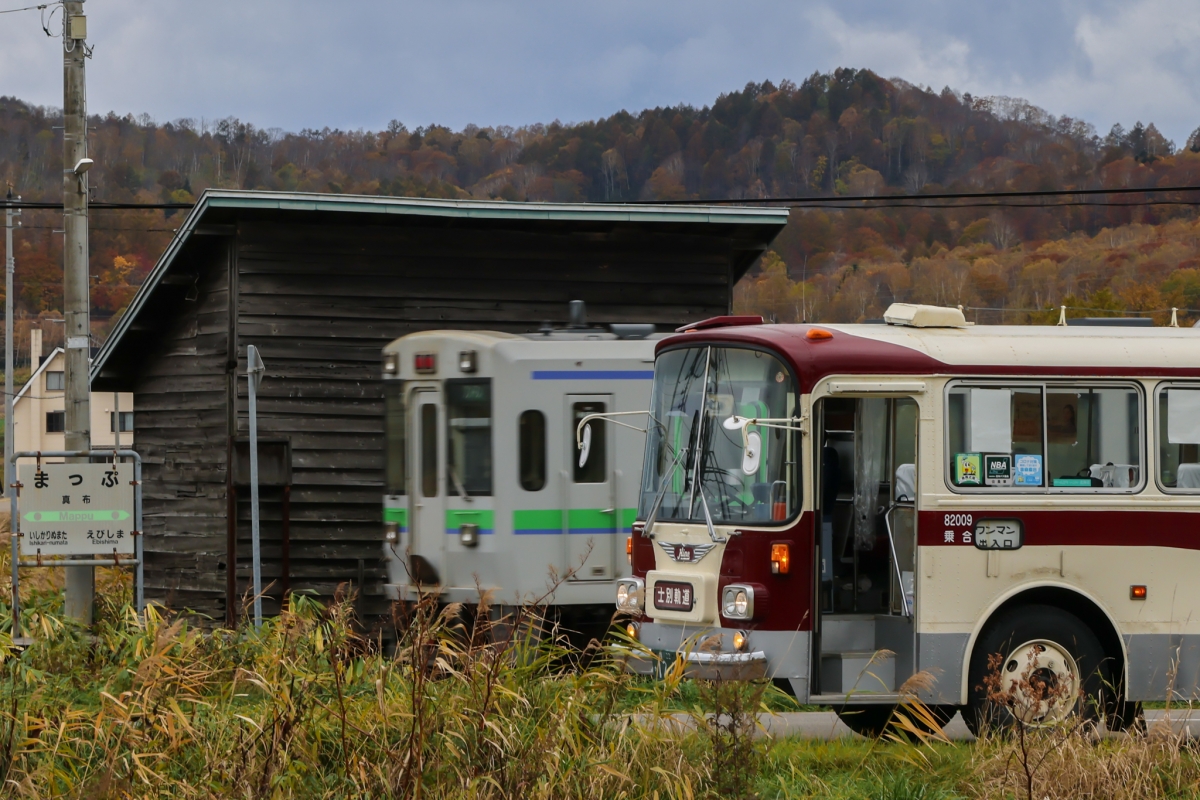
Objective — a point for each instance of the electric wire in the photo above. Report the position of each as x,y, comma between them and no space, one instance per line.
27,8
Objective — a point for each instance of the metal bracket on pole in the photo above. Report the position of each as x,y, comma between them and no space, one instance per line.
114,561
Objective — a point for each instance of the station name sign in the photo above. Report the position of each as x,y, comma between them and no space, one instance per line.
76,509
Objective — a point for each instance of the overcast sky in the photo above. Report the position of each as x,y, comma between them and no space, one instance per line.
314,63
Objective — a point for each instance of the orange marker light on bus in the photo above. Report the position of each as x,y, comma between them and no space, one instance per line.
781,559
1137,592
629,549
817,334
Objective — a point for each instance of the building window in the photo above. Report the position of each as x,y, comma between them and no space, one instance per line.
126,421
54,382
532,450
56,421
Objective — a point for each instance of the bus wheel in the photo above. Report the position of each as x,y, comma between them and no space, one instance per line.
867,720
872,721
1126,715
1038,665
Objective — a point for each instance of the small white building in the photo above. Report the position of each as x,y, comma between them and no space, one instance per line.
39,408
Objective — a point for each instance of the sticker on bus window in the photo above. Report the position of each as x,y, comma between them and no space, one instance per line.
967,469
1027,470
997,470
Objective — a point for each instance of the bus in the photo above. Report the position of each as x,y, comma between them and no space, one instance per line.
924,508
483,489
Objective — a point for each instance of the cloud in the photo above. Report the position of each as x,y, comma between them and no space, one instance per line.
315,63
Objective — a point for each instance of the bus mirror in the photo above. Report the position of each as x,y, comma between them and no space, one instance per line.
585,445
752,452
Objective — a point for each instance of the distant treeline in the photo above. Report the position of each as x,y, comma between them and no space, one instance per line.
848,132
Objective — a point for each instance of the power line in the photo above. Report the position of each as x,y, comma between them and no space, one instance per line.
931,196
27,8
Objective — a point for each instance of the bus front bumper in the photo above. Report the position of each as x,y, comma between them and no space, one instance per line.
708,653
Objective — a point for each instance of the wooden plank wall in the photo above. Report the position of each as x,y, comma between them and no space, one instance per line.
181,428
320,302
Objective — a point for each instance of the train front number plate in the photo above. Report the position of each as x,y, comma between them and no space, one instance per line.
674,596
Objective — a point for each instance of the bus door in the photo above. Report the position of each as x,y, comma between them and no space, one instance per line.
867,543
427,509
590,489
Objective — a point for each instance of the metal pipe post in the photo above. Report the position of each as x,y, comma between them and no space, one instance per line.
254,374
80,581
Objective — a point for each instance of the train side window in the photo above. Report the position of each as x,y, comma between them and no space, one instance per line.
1179,438
1093,437
596,468
531,438
995,437
429,459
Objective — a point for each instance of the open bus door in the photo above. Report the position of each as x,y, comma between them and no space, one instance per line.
867,497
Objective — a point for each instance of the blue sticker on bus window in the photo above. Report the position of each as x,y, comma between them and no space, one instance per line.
1027,470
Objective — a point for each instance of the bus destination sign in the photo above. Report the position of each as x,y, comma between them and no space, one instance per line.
76,509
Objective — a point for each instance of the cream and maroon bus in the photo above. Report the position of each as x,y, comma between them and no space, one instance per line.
842,507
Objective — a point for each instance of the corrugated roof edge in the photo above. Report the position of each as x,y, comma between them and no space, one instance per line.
479,209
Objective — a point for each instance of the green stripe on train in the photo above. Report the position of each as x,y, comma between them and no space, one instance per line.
484,518
397,515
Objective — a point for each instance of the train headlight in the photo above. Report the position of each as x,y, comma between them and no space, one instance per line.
737,601
468,534
466,361
630,592
391,363
391,532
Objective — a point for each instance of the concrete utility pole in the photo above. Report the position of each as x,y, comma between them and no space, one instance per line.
10,264
80,595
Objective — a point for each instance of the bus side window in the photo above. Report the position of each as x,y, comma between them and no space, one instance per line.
531,439
1179,438
1093,437
995,437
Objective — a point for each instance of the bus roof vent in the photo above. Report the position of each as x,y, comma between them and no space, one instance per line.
919,316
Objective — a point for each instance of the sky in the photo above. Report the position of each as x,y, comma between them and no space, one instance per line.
295,64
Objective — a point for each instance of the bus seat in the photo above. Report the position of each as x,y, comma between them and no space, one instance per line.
1188,476
906,483
1119,476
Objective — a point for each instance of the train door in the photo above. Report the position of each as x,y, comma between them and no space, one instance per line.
427,510
867,543
591,508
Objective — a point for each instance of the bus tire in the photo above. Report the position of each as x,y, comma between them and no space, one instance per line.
1042,655
873,720
1126,715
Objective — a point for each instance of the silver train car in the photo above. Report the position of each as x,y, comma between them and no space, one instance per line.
485,489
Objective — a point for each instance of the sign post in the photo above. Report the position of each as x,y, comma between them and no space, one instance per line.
254,373
63,510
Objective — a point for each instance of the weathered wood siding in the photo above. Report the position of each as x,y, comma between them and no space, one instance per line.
181,430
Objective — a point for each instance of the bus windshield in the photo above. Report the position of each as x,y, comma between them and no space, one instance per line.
693,460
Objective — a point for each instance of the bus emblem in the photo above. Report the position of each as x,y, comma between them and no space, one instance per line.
685,553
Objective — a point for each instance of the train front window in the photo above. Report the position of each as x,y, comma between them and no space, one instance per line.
394,434
469,437
693,460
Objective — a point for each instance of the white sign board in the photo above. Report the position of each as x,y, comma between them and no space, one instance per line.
76,509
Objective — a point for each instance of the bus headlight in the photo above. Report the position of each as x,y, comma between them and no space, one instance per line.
391,532
737,601
630,592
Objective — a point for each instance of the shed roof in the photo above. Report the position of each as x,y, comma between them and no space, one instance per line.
217,211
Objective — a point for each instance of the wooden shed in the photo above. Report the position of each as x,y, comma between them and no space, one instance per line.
320,283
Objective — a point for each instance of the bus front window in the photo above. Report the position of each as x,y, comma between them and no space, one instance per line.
693,460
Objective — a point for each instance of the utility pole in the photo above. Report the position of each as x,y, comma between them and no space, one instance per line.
10,264
80,590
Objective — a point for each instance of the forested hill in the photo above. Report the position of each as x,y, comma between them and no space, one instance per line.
847,132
